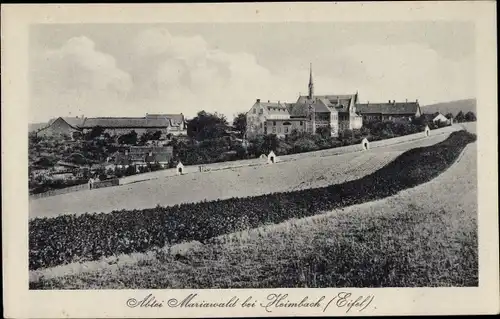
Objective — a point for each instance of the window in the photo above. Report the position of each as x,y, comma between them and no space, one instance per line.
274,130
261,111
274,123
286,130
279,129
254,111
301,123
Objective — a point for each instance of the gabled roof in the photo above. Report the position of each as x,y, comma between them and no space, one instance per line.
298,109
399,108
67,164
319,105
275,108
74,122
340,102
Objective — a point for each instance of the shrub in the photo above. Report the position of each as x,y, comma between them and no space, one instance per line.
304,145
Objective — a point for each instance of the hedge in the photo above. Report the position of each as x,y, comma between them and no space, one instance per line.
70,238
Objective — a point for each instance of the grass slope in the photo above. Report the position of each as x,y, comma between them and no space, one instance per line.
67,238
422,237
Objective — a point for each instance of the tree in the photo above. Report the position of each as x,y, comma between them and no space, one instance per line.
95,132
240,123
324,131
33,138
449,116
129,138
206,126
346,135
270,143
304,144
470,117
460,117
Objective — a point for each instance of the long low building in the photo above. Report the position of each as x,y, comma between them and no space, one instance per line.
389,111
174,124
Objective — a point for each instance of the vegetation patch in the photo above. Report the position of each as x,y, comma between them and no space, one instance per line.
69,238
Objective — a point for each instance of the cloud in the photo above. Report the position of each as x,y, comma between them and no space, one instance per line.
184,74
76,78
407,71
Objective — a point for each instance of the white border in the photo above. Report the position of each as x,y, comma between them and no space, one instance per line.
20,302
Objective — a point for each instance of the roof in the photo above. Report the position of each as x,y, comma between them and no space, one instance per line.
175,119
147,149
66,164
340,102
398,108
287,120
126,122
319,105
75,122
275,108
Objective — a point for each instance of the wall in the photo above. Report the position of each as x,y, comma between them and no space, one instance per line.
60,191
106,183
334,124
255,117
357,122
279,128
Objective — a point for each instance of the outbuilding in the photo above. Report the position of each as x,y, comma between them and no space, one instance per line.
427,131
271,158
179,168
365,144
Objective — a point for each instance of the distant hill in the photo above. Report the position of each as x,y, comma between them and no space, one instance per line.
452,107
33,127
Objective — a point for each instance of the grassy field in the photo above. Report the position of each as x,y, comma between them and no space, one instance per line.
425,236
304,172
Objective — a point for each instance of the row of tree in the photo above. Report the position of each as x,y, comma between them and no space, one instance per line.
461,117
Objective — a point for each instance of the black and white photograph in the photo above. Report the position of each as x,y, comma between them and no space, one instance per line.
253,155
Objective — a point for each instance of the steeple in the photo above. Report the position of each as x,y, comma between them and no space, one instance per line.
311,85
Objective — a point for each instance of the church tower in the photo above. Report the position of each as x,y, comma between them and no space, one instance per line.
311,84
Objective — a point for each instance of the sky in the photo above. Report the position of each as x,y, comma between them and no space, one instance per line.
134,69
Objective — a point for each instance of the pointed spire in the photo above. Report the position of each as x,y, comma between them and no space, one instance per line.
311,85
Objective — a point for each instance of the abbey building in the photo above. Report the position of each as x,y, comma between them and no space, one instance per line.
334,112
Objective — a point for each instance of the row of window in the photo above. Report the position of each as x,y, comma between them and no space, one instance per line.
301,123
275,130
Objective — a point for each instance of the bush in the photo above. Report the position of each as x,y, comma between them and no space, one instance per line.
304,145
66,238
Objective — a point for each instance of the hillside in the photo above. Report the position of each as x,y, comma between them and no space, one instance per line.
451,107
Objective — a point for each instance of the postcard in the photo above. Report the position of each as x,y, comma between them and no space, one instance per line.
248,160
